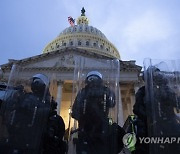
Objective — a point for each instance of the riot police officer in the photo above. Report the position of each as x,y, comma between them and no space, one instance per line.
167,103
52,140
91,109
139,109
156,114
25,115
28,117
53,137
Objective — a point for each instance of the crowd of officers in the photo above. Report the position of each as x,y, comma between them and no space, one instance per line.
31,125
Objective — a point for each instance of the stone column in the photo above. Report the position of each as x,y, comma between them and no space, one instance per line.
129,107
133,93
120,114
136,87
132,98
59,95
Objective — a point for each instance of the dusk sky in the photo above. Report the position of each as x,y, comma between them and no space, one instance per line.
138,28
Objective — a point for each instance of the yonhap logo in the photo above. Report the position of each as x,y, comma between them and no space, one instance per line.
129,140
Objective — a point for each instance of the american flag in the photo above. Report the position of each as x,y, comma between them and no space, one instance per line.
71,21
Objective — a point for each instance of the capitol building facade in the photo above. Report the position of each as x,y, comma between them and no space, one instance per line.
59,56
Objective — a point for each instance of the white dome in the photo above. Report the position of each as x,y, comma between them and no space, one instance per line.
84,37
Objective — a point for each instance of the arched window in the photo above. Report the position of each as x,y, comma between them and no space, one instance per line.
75,28
57,45
87,43
91,30
86,29
70,42
80,28
109,49
79,43
101,46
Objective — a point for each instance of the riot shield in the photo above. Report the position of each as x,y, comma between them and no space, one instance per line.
162,84
95,106
24,112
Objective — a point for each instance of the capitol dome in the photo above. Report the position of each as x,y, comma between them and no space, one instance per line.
84,37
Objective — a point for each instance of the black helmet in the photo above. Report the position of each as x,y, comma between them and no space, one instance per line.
94,77
39,84
158,77
151,70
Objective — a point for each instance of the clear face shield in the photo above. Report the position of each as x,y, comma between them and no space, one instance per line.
94,110
162,84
